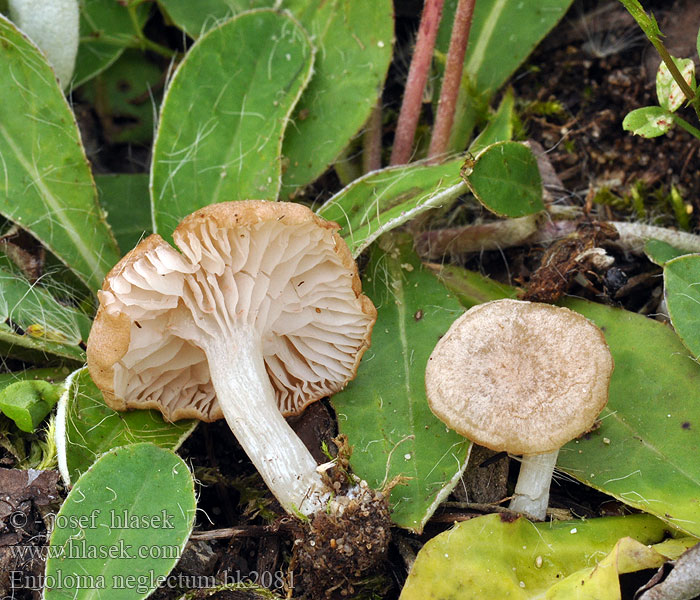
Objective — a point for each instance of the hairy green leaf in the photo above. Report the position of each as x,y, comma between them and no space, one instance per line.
196,18
123,526
384,411
86,427
45,182
36,349
354,43
381,201
645,453
224,114
33,324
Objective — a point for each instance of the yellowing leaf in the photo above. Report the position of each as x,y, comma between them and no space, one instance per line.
491,557
602,582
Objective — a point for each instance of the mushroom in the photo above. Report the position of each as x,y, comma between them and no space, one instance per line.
259,315
524,378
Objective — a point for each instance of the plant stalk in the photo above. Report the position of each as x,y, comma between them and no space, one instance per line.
683,124
452,78
142,42
650,28
415,84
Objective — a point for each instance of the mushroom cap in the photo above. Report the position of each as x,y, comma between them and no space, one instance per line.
273,267
519,376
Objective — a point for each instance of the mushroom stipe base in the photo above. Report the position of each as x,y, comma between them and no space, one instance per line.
342,546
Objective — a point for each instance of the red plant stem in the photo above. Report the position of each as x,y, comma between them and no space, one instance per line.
417,78
372,141
452,78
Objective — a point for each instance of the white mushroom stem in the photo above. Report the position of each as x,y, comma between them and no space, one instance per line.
247,399
532,489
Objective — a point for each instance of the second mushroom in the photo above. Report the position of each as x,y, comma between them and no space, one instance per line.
260,314
524,378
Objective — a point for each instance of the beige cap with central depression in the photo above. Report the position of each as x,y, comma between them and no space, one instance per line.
518,376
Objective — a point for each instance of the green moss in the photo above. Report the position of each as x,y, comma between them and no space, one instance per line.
681,209
658,205
546,108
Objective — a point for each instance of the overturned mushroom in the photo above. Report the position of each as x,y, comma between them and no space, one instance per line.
524,378
260,315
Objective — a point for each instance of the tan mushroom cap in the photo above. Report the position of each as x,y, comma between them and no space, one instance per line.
518,376
275,267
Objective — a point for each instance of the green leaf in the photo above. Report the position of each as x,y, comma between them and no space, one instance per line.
669,93
505,178
224,114
472,288
381,201
123,95
51,374
645,452
500,126
661,252
354,48
490,558
682,288
36,349
45,181
122,527
86,427
106,29
32,309
28,402
649,122
384,411
125,200
196,18
651,421
502,36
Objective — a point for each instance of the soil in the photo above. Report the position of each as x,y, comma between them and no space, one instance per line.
572,95
591,71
